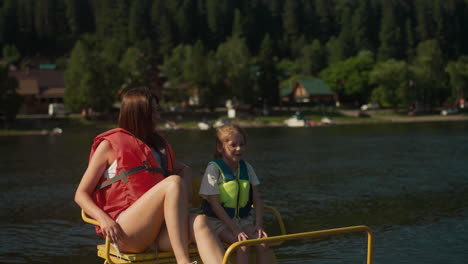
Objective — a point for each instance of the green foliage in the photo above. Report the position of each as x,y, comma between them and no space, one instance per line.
290,20
392,79
138,22
11,55
334,51
9,100
237,26
429,75
267,75
458,72
90,80
134,67
191,66
288,68
350,78
313,58
234,56
300,34
390,34
361,28
79,17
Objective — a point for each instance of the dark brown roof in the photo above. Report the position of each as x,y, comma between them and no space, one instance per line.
48,83
56,92
28,87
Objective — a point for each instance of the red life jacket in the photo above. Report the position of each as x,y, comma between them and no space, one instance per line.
137,171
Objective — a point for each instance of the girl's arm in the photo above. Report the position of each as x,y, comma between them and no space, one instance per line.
185,172
258,206
223,216
102,157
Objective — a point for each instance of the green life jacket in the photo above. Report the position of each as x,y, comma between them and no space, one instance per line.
234,193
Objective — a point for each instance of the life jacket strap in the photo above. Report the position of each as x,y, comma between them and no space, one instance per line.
123,175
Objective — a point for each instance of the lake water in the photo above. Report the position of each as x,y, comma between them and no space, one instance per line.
407,182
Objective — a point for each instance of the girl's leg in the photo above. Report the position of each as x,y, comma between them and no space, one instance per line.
209,246
242,253
263,251
142,222
263,254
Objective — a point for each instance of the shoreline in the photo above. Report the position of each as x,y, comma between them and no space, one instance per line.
258,124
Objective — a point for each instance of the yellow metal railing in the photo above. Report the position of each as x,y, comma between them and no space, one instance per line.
90,220
320,233
106,252
280,223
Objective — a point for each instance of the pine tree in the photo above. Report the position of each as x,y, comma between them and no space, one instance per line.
237,27
361,23
9,99
137,26
313,58
458,72
390,34
290,20
409,40
9,24
165,36
429,73
90,81
326,22
267,74
184,19
422,20
346,36
235,56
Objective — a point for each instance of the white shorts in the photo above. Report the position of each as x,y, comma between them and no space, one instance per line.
218,225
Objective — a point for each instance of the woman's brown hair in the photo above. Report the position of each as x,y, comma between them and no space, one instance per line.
222,135
136,113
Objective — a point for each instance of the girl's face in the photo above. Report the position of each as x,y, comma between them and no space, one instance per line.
233,149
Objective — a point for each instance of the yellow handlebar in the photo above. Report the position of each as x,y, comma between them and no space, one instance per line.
312,234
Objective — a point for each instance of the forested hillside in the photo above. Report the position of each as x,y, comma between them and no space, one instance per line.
395,52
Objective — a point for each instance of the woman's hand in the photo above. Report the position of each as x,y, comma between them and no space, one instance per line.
112,230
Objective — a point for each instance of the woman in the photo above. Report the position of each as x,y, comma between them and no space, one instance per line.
138,192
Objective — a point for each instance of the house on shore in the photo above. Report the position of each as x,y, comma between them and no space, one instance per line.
39,87
306,91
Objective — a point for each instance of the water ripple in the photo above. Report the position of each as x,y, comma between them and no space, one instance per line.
44,239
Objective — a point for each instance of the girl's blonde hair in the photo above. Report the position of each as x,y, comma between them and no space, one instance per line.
224,133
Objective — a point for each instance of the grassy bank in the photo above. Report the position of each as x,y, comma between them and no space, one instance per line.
44,125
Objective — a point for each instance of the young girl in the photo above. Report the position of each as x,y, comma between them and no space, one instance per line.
229,187
137,190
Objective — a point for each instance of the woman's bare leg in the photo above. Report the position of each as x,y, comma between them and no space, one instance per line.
208,244
142,222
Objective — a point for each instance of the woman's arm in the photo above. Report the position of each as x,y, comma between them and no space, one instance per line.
101,159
